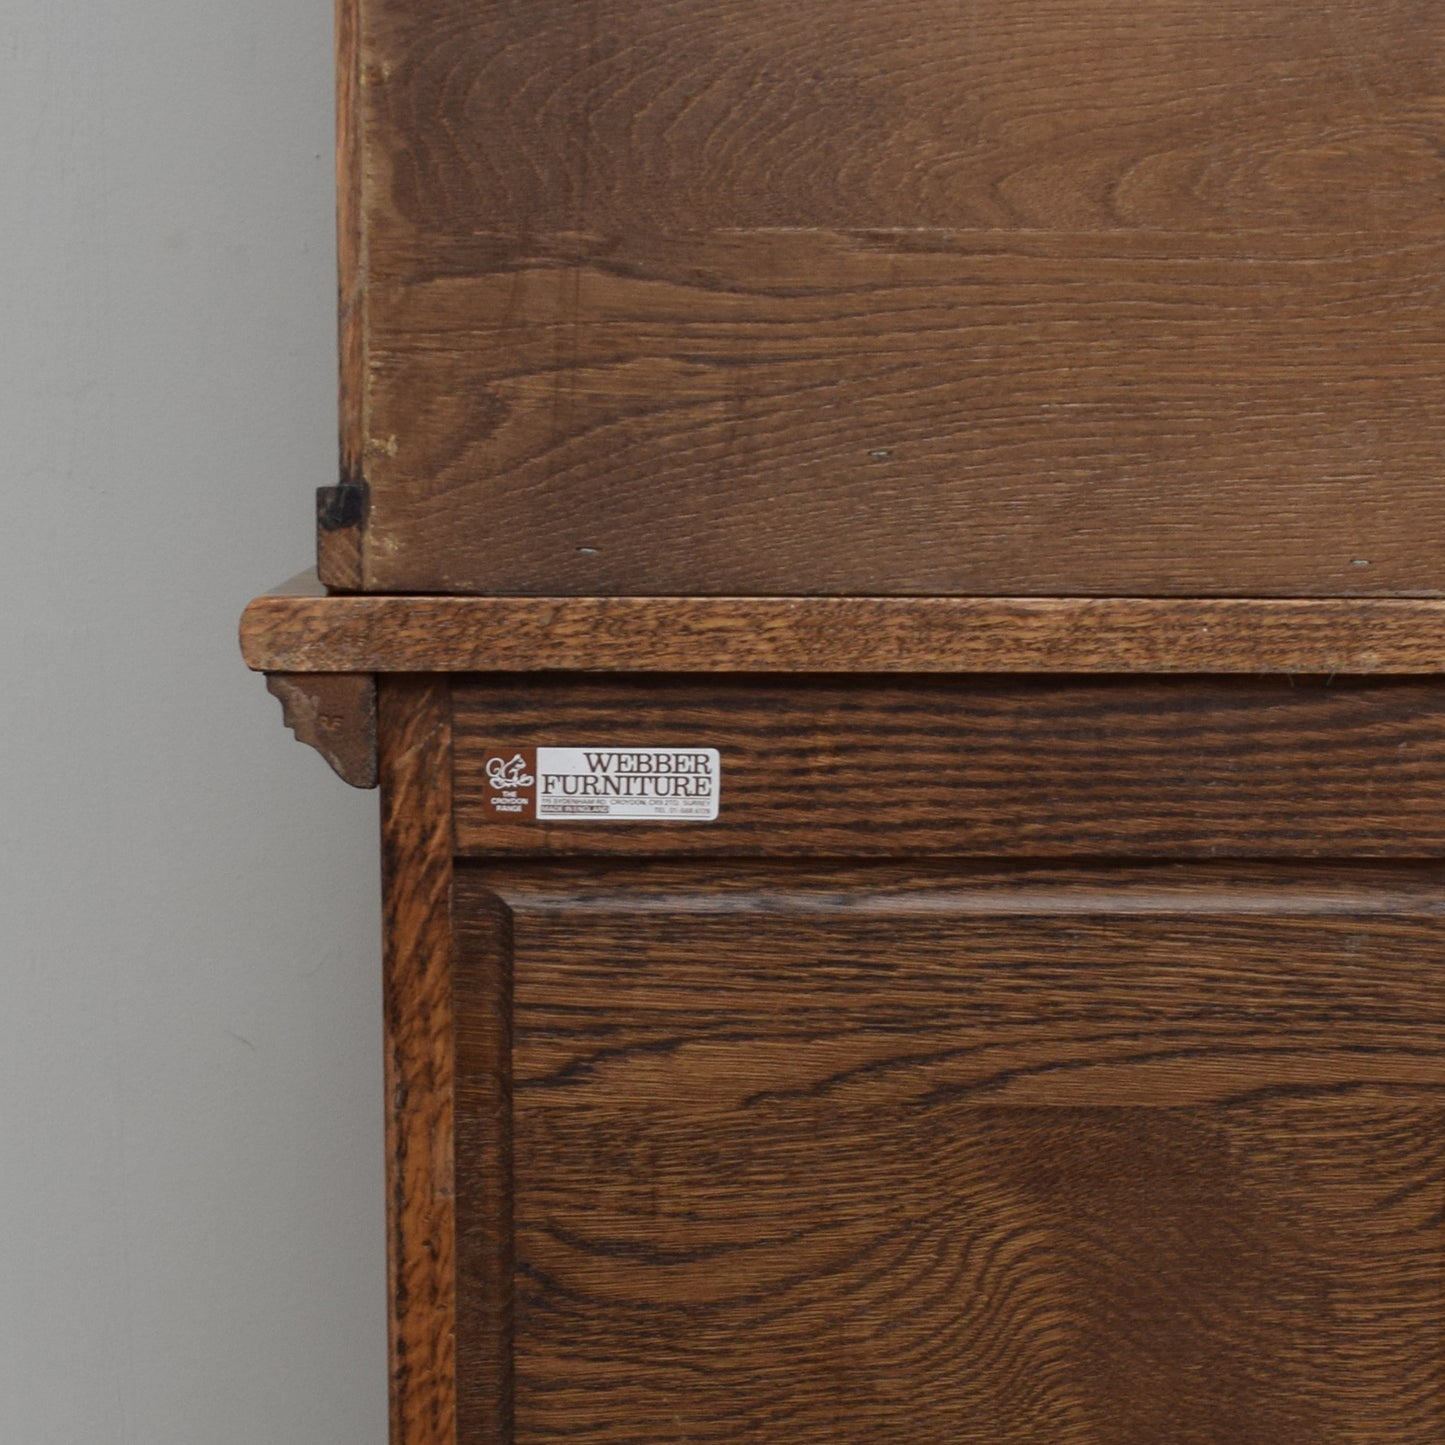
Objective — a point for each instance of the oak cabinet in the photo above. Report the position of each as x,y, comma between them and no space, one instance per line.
1010,1057
884,563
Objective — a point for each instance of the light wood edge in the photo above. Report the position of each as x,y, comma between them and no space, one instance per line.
417,851
351,236
295,632
340,544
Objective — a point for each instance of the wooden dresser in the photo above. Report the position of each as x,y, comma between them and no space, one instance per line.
885,564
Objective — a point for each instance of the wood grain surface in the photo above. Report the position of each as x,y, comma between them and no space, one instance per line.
1007,767
1055,115
936,1155
297,629
914,413
485,1260
340,512
1070,297
352,233
415,734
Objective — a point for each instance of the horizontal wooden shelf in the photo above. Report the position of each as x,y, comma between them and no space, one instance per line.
299,628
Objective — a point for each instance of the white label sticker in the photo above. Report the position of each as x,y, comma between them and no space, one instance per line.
604,784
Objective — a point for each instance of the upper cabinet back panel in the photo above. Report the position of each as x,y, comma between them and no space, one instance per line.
1062,296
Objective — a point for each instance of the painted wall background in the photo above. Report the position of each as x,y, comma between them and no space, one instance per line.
191,1231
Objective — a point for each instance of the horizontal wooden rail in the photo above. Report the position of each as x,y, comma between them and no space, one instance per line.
300,629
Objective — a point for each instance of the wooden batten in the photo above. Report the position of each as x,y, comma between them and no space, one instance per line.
300,629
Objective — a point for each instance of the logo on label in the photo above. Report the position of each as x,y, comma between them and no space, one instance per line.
514,783
511,774
605,784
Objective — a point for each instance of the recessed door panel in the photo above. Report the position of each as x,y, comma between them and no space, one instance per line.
946,1154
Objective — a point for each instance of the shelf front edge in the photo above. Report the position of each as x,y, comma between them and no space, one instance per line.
299,629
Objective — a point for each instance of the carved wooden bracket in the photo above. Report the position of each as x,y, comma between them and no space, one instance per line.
335,713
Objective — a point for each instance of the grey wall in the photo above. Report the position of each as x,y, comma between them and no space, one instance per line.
191,1237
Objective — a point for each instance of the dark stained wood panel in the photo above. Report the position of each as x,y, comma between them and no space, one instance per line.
1057,298
1006,766
935,1155
526,116
914,413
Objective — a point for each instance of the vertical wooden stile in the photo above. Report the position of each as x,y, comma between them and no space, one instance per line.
485,1241
415,748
